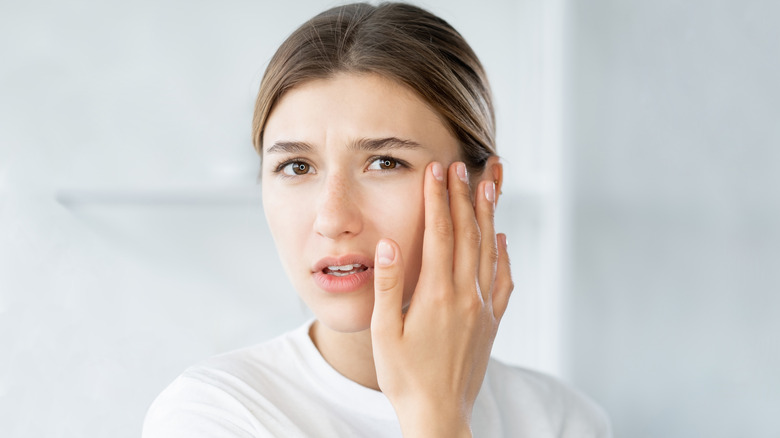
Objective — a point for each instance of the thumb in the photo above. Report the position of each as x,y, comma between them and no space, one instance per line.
387,318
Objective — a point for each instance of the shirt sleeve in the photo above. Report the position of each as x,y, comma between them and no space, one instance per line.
583,418
191,408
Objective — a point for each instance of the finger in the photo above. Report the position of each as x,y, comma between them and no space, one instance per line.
387,318
488,250
466,230
503,286
438,239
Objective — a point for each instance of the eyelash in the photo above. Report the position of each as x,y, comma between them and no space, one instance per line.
399,164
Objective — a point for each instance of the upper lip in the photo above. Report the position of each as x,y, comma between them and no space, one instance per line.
347,259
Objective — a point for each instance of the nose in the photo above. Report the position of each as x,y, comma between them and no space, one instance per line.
338,209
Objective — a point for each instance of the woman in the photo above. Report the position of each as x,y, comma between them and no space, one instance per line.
380,179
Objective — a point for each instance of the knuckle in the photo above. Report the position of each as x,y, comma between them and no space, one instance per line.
487,212
386,282
472,235
442,227
439,299
492,253
474,303
464,192
438,192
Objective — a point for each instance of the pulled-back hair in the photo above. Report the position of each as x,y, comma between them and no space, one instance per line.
401,42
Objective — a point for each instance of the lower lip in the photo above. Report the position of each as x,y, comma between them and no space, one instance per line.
347,283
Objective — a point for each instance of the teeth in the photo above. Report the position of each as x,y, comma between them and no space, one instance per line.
344,267
344,270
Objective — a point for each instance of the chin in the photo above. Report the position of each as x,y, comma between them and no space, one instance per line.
347,317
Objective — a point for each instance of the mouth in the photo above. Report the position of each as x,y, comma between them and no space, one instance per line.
346,273
343,265
344,270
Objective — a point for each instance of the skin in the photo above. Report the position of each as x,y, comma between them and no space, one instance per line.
422,330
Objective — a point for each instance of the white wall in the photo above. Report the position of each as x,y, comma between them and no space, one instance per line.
673,151
132,242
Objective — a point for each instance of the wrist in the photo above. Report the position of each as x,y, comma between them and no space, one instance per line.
434,421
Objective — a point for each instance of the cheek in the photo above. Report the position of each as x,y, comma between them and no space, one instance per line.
287,222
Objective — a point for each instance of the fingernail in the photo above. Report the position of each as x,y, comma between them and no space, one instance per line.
490,192
502,239
460,169
438,171
385,254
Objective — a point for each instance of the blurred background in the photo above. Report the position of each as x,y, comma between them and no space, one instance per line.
642,151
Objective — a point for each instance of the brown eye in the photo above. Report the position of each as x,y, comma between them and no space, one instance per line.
383,163
386,163
300,168
296,168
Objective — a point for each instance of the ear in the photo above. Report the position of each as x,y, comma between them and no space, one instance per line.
494,171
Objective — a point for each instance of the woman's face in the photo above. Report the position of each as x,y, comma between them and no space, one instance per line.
343,165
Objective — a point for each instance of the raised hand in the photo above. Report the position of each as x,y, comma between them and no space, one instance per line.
431,360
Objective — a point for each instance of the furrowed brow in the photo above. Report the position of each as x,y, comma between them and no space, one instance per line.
375,144
290,147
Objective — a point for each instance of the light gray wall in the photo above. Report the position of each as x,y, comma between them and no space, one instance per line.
673,156
132,242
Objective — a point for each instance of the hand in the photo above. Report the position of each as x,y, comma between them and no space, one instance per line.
431,361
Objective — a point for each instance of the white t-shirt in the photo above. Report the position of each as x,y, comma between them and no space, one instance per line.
284,388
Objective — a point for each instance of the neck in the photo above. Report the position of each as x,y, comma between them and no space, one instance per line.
350,354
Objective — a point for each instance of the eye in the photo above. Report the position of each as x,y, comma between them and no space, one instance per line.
293,168
383,163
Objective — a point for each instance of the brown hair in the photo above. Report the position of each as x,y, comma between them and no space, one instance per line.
399,41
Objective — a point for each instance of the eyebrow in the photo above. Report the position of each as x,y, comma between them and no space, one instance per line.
375,144
290,147
364,144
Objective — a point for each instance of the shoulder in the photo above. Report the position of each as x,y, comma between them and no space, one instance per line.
542,403
229,395
190,406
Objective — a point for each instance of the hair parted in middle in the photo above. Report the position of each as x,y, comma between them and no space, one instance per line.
401,42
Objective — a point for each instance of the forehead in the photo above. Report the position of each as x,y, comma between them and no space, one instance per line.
349,106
